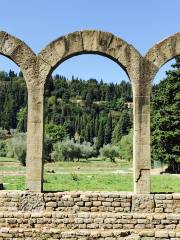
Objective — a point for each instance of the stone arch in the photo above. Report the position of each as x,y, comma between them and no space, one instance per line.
18,51
140,70
89,42
158,55
116,49
163,52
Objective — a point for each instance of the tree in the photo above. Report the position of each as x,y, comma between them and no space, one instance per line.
122,127
165,119
110,151
89,99
3,133
8,117
91,131
22,119
66,151
100,137
87,150
96,127
66,96
16,147
20,74
87,132
3,76
126,146
3,142
108,130
55,132
12,74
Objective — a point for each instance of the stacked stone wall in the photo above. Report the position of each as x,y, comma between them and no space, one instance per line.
89,215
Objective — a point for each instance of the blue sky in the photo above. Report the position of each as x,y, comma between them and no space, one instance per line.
139,22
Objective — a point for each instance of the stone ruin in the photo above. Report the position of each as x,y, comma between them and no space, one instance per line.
139,215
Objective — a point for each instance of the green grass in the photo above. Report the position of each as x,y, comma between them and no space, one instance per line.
88,166
13,182
12,168
113,182
10,165
88,182
91,175
91,166
6,159
165,183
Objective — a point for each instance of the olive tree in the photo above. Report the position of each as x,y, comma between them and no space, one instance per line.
109,151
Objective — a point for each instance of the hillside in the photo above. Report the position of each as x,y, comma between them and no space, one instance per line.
81,107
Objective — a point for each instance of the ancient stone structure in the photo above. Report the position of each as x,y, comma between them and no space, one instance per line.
141,71
89,215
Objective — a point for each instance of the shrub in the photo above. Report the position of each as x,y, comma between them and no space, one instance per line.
17,147
66,150
109,151
3,148
126,146
22,119
55,132
3,133
86,150
74,177
69,150
48,147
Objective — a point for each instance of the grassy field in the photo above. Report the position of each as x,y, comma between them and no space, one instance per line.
93,175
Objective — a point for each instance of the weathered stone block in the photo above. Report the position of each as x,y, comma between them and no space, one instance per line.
97,203
143,203
161,234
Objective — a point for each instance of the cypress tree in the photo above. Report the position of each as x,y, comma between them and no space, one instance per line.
122,127
100,138
108,130
91,131
96,127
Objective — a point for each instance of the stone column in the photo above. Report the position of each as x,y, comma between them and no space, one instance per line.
35,130
141,138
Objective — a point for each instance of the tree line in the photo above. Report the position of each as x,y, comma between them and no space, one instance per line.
91,115
84,109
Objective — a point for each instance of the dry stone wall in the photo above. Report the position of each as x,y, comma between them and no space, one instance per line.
123,202
89,215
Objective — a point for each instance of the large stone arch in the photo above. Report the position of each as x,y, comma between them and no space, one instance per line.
18,51
154,59
162,52
126,56
89,42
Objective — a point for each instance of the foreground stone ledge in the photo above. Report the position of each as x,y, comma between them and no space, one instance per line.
131,234
89,202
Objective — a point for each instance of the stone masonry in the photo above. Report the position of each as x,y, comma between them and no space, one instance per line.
89,215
